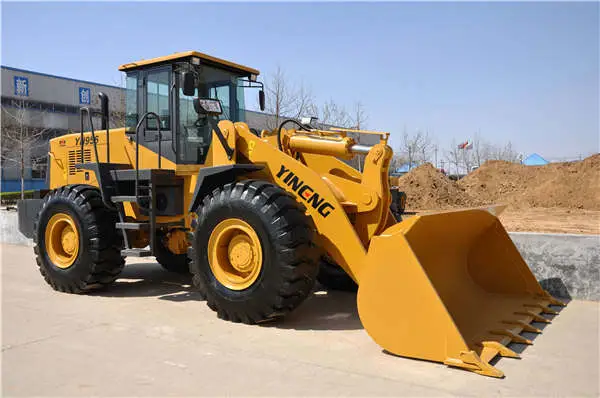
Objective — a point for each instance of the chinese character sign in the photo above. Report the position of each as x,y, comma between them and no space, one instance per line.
21,86
84,95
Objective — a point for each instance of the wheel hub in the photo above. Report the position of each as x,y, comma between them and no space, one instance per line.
241,254
235,254
62,240
68,240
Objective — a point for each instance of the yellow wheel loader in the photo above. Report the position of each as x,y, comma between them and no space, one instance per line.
253,215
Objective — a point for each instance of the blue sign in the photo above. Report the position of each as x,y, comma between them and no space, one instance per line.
84,95
21,86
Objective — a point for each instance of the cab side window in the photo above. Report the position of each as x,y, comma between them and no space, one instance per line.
157,87
131,115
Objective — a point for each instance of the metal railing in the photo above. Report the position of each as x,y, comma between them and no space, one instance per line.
85,110
137,146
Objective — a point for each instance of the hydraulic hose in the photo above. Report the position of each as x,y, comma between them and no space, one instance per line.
280,127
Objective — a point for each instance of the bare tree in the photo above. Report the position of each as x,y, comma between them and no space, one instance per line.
416,147
454,157
359,117
278,98
332,114
359,120
426,147
509,154
480,150
284,100
467,159
18,139
304,104
117,115
397,161
496,152
287,100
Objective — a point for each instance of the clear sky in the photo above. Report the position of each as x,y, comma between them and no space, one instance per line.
524,72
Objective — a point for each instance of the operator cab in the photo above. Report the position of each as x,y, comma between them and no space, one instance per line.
168,87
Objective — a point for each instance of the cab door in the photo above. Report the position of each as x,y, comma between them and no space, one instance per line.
155,95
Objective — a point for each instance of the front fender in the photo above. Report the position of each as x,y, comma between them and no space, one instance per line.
211,177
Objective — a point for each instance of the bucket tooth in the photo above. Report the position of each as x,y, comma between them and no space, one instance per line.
513,336
553,301
536,317
526,326
469,360
503,350
545,309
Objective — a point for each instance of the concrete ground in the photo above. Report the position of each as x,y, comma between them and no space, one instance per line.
149,336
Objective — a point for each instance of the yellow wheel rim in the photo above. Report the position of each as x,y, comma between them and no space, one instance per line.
235,254
62,240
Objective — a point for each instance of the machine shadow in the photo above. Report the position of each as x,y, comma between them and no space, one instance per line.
150,280
323,310
556,287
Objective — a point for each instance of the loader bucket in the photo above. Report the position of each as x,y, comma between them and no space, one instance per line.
450,287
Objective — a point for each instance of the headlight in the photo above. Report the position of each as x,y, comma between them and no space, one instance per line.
208,106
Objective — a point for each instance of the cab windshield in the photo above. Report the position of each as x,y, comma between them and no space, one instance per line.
185,135
194,133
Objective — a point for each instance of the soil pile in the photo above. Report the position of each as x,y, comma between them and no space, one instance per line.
573,185
569,185
427,188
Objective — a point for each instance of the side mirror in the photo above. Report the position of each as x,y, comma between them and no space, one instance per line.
189,84
261,100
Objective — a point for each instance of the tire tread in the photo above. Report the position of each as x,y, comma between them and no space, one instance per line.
103,248
292,233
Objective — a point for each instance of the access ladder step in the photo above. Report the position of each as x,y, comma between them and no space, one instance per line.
129,198
136,252
137,226
160,176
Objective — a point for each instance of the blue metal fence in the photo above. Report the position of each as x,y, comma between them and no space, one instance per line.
15,185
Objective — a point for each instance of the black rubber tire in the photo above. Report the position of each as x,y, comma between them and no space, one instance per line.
99,261
289,264
170,261
333,277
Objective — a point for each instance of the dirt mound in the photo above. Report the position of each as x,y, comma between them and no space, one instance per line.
574,185
427,188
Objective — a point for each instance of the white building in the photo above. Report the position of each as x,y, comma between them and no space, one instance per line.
49,103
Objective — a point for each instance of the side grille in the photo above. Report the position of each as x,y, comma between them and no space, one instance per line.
75,158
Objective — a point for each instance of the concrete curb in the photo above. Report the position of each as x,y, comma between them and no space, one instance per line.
9,229
566,265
